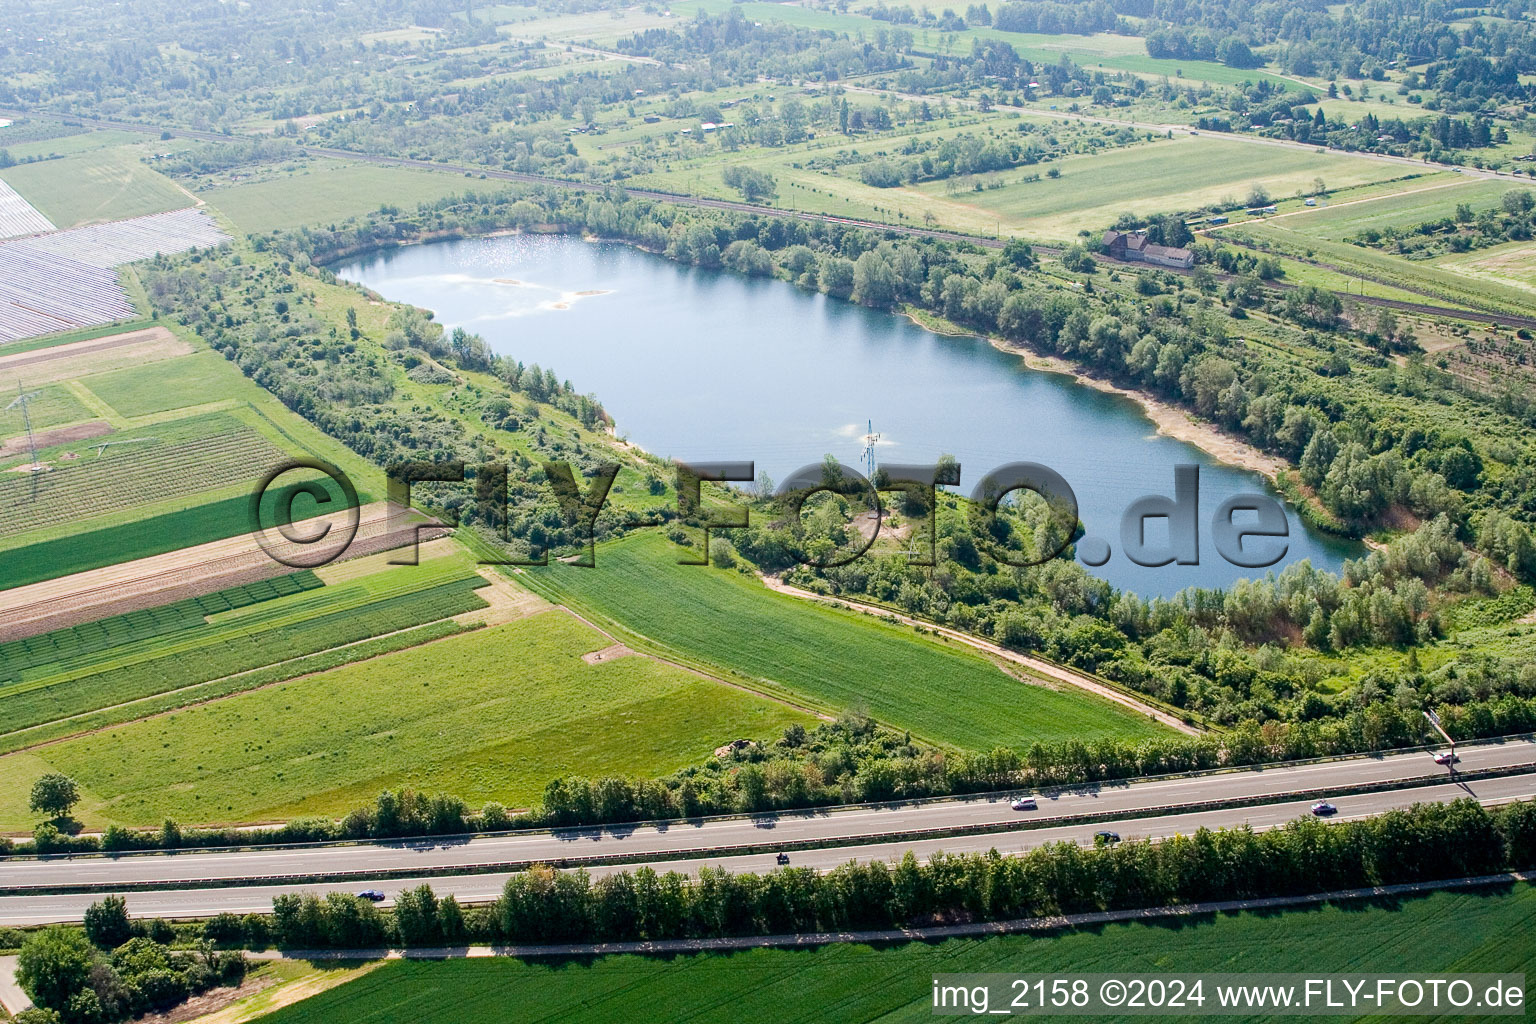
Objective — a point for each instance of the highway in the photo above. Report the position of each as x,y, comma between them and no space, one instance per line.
199,902
436,854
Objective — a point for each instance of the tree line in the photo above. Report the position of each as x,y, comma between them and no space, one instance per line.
1426,842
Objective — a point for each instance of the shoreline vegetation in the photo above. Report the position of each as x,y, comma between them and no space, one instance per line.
1302,665
1170,420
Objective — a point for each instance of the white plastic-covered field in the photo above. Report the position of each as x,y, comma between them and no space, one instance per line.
19,217
63,280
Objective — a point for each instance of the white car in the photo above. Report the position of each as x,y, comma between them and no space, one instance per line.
1446,758
1024,803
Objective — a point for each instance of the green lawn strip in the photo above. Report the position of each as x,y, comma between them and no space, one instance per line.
74,644
489,715
128,541
943,693
1482,930
70,337
186,663
227,685
190,380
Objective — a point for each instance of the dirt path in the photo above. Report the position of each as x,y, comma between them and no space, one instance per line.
1348,202
1034,665
11,996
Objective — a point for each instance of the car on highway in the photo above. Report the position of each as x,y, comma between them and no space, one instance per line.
782,858
1024,803
1106,837
1323,808
372,895
1447,758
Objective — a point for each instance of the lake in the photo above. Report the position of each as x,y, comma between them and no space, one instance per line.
707,365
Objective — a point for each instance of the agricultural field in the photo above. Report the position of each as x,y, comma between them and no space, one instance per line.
329,191
836,659
53,405
1512,264
490,715
181,459
96,185
201,378
1428,198
1182,173
1364,264
186,436
151,649
1103,50
1443,932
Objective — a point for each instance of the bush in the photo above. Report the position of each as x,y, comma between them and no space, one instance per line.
106,923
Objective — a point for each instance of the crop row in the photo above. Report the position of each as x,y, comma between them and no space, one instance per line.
26,705
230,685
55,650
97,485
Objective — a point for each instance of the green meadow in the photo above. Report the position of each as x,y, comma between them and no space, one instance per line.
95,185
1182,173
489,715
328,192
943,692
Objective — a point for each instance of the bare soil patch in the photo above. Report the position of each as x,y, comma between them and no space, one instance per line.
62,435
507,602
608,653
160,579
82,358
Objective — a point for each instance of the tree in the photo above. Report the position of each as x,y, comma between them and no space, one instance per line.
1018,253
874,283
753,184
1235,53
54,964
54,794
1258,196
106,923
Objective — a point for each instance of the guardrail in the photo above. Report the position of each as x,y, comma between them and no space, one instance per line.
917,801
743,849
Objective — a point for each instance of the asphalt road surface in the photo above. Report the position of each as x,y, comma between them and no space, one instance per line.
696,841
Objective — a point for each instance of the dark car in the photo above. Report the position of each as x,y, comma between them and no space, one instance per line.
1323,808
1106,837
372,895
782,858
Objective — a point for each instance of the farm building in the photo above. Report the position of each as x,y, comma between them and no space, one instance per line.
1133,245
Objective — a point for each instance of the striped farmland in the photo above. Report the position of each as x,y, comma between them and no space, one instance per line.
19,217
67,279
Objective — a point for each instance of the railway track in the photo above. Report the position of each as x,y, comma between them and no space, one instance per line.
703,202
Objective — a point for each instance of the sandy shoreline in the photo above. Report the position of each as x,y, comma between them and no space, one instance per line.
1170,420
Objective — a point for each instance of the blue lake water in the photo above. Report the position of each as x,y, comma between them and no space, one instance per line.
699,365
